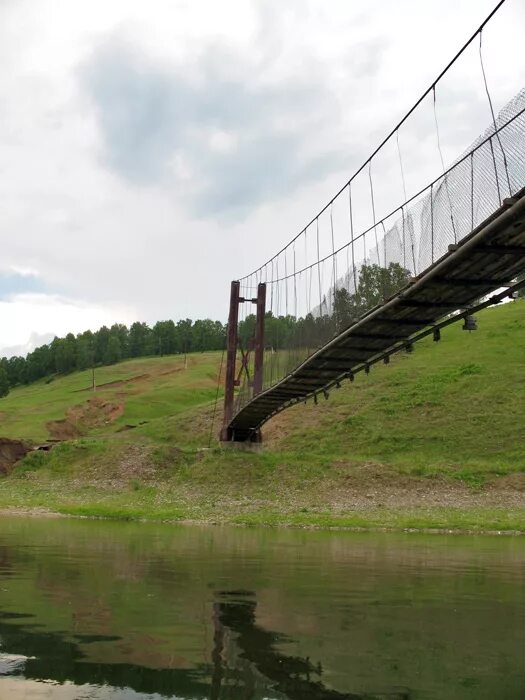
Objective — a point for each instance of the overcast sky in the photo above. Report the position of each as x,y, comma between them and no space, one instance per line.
150,152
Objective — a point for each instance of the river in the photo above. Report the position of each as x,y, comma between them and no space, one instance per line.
123,611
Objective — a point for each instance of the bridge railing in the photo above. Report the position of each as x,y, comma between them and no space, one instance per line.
314,290
395,216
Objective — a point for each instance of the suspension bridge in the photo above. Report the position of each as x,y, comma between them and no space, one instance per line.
368,277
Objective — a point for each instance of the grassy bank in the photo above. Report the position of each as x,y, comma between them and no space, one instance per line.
434,440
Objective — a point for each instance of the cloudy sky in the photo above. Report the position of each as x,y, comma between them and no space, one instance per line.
150,152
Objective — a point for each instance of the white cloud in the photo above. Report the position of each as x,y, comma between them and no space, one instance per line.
223,141
23,271
152,246
30,319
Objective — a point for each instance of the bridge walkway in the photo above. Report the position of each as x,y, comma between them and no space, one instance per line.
489,258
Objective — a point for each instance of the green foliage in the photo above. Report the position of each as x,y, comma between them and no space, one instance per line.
331,317
33,461
150,388
113,351
4,383
345,308
376,284
449,416
85,351
108,346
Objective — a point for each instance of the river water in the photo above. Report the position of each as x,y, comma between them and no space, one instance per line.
117,611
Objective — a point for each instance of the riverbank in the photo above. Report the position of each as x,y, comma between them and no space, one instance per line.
145,482
40,513
433,441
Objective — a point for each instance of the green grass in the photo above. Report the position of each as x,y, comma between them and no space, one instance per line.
445,420
455,407
169,389
438,519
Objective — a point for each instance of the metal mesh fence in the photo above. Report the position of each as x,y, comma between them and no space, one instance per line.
315,290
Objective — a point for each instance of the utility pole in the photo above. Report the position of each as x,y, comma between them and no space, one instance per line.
93,384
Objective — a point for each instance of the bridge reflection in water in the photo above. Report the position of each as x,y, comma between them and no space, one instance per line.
245,653
245,664
111,611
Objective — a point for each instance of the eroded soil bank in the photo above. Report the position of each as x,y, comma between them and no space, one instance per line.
11,451
82,418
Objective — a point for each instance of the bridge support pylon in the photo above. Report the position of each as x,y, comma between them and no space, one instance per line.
258,363
228,434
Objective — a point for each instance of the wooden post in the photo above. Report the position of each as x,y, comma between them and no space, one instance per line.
231,355
259,339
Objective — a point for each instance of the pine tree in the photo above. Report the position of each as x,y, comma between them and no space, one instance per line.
113,351
4,383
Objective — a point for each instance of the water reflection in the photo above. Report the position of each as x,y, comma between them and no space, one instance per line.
245,664
253,654
52,657
115,612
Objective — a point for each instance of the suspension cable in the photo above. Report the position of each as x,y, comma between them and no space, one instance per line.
421,191
373,211
493,117
401,122
443,166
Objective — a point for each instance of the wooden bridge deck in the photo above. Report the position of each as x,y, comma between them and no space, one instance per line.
487,259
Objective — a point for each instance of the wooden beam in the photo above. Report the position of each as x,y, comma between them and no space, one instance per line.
517,250
376,336
420,304
406,321
467,282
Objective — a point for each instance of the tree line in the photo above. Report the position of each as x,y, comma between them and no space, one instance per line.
344,307
110,345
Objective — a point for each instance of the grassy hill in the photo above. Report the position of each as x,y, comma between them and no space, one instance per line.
138,390
435,439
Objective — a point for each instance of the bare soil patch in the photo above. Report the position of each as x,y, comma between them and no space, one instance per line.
81,418
32,512
11,451
361,486
133,464
62,429
413,493
515,482
171,371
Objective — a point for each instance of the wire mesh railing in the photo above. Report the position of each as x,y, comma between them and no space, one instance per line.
352,257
